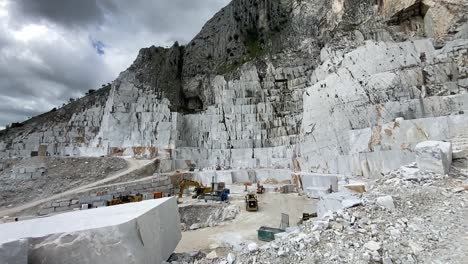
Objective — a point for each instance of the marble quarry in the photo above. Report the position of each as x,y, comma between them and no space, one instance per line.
318,97
145,232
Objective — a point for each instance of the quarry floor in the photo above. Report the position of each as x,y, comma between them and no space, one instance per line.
243,229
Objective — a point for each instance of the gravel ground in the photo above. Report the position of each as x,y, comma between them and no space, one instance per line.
62,174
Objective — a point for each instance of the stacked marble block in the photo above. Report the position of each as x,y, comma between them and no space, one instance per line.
435,156
145,232
242,176
355,139
99,196
28,173
136,118
316,185
253,123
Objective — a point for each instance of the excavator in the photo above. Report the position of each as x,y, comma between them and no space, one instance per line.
199,189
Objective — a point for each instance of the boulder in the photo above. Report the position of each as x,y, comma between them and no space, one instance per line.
358,188
386,202
316,185
144,232
231,258
252,247
435,156
336,201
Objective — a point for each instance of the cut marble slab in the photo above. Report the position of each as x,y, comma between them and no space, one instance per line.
144,232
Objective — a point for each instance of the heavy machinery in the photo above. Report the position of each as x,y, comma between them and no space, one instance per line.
218,195
260,188
251,202
218,192
200,190
306,217
125,199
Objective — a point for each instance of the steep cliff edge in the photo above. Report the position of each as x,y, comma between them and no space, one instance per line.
341,86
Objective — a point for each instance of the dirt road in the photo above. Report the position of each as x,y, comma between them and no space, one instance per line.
132,165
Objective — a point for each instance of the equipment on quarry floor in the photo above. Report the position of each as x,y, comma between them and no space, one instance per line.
247,184
219,195
267,234
125,199
306,217
260,188
251,202
199,189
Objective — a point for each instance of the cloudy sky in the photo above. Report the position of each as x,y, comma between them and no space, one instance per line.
51,50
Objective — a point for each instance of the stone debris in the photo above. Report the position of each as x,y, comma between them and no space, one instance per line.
401,220
212,255
386,202
196,216
252,247
372,245
336,201
231,258
359,188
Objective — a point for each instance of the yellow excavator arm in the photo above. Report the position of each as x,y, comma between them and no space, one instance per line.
185,183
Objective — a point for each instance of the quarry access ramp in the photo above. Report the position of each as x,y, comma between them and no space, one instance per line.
133,165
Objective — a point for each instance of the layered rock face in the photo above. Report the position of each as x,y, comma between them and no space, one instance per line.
339,86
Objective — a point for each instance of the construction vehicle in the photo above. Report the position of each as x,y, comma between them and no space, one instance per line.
125,199
218,195
260,188
306,217
251,202
218,192
200,190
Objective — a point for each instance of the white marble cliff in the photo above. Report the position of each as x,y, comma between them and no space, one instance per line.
341,86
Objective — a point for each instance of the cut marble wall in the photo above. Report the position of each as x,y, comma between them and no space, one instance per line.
340,118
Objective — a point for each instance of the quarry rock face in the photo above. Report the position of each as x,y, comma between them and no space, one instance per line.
145,232
337,87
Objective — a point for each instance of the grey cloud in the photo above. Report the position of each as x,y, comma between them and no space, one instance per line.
40,74
64,12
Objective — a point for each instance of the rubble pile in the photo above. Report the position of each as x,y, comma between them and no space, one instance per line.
407,216
196,216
